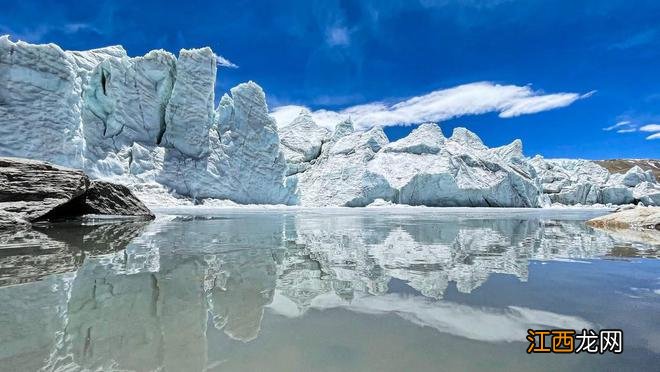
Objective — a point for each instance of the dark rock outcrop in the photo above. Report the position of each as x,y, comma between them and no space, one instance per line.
10,221
30,189
33,191
109,198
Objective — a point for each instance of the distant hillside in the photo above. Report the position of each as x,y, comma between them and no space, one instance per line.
622,165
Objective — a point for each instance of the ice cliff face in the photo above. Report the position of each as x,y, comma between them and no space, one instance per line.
424,168
190,113
142,121
455,172
574,181
151,122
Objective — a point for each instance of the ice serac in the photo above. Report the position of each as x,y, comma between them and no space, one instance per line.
577,181
342,129
87,60
249,148
148,122
124,102
190,112
510,151
340,176
467,139
244,162
426,139
427,169
634,176
647,193
39,103
301,142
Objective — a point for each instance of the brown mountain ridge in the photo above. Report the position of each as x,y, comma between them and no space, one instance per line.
623,165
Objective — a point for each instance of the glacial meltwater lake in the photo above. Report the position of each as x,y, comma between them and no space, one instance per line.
383,289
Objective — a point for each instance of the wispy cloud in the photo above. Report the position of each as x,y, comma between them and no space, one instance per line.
653,128
650,128
627,126
624,123
37,34
72,28
637,40
469,99
338,36
224,62
624,126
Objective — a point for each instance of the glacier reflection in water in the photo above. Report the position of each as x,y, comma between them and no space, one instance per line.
332,290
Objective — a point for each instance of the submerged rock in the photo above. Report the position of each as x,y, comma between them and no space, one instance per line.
32,191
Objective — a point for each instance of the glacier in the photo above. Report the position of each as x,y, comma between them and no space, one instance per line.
151,123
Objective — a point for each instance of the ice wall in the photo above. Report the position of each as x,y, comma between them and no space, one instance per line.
150,122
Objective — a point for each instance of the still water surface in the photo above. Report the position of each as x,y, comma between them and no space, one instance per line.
324,290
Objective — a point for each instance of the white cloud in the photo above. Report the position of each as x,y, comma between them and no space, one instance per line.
72,28
224,62
534,104
338,36
37,34
620,124
627,126
469,99
284,115
635,41
650,128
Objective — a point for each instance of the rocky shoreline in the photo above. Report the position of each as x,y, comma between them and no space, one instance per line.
35,191
632,218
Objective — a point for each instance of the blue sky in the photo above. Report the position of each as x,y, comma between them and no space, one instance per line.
553,74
